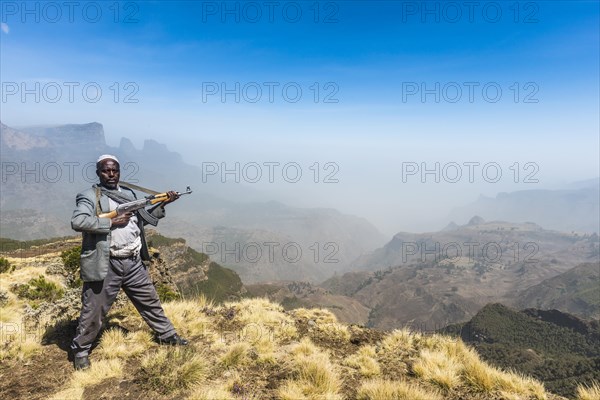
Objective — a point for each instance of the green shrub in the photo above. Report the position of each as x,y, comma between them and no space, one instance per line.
38,290
166,293
71,259
5,265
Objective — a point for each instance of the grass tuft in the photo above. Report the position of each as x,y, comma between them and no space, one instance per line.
171,370
98,372
237,354
588,392
116,344
208,392
383,389
323,325
365,361
17,341
315,377
188,318
258,322
20,349
395,348
437,367
487,379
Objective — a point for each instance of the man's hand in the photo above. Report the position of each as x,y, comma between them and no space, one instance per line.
121,220
172,197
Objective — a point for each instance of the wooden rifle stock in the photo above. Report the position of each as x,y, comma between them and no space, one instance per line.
141,203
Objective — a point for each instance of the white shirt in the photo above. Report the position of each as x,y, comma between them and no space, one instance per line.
125,241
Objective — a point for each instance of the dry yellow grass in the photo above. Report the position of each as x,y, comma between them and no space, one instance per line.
11,312
170,370
237,354
188,318
21,348
365,360
261,318
315,376
304,348
98,372
450,364
400,341
71,393
17,341
259,331
186,315
323,324
24,273
453,347
488,379
588,392
478,374
222,390
517,384
242,335
438,342
439,368
395,350
261,324
382,389
211,393
116,344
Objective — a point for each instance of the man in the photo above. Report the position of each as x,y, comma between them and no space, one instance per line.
112,251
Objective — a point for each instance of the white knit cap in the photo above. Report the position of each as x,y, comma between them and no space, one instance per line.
107,157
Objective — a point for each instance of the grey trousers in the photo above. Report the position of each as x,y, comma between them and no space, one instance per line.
97,298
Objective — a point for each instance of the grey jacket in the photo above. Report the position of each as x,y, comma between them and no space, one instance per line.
95,246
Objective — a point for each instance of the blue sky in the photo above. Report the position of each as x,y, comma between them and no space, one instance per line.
362,54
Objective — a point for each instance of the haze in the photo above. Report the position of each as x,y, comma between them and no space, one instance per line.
360,66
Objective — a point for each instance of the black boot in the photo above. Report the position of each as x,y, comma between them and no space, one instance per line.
81,363
174,340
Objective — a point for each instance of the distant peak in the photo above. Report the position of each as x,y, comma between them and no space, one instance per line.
153,145
126,145
452,226
476,220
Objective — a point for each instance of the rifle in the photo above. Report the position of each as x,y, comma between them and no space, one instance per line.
141,203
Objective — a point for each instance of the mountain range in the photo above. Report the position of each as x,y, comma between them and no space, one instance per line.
43,168
573,208
400,286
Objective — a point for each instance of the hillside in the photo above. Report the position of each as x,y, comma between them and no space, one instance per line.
251,348
413,281
576,291
556,348
421,296
189,273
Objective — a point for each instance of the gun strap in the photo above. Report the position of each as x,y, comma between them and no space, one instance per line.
120,198
98,208
140,188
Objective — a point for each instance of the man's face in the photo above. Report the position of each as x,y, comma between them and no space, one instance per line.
109,173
